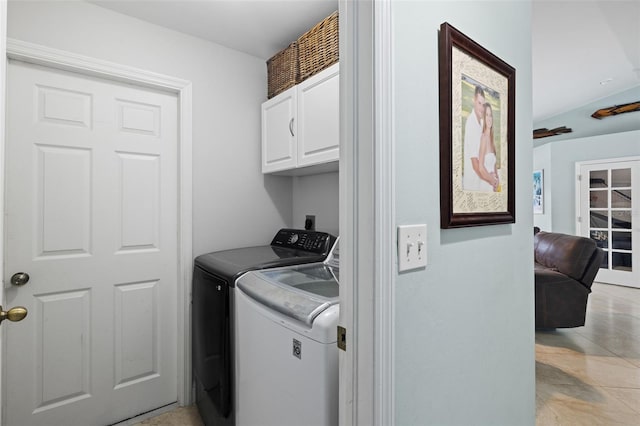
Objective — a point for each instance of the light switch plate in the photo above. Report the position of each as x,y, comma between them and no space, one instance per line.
412,247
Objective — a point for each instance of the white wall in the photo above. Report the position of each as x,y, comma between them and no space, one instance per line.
561,174
464,326
234,205
542,161
316,195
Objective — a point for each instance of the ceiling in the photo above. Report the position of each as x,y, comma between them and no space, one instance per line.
583,50
258,27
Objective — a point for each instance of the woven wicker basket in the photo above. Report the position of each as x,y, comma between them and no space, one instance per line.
282,70
318,47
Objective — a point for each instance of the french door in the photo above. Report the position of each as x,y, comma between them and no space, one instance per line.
610,215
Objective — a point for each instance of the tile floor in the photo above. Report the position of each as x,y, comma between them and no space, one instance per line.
584,376
591,375
181,416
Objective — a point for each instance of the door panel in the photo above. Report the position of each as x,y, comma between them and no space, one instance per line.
63,107
91,215
139,196
136,352
62,359
63,204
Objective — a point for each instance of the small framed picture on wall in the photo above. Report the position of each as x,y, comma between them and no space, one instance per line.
538,192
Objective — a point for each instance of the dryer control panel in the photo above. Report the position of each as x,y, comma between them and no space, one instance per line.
313,241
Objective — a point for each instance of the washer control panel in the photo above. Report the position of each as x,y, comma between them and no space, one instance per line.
316,242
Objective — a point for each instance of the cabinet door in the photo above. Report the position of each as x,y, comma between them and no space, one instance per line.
319,118
279,141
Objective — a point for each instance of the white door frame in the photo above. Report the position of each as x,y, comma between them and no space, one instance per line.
3,74
367,213
58,59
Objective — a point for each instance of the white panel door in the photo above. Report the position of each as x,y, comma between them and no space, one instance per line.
91,216
610,215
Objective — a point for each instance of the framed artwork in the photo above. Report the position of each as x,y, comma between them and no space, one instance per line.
538,192
477,133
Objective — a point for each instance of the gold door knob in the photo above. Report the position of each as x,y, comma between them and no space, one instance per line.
14,314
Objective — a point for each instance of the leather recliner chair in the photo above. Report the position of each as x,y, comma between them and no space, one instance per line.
565,267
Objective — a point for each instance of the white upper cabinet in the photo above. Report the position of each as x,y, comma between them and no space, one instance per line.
301,126
279,141
319,118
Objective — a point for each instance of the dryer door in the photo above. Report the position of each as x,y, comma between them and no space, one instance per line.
211,338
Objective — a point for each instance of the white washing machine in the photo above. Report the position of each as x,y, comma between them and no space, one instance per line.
286,370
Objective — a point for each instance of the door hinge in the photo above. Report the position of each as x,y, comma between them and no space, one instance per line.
580,177
342,338
579,219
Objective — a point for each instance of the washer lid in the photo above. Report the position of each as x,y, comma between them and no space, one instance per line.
230,264
300,292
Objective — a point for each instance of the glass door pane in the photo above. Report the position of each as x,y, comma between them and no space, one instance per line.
599,213
621,219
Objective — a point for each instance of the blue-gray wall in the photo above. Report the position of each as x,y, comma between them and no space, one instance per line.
464,326
559,160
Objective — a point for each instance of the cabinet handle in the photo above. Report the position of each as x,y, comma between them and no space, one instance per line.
291,127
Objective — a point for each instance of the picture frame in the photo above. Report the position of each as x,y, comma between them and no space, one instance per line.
538,192
475,83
